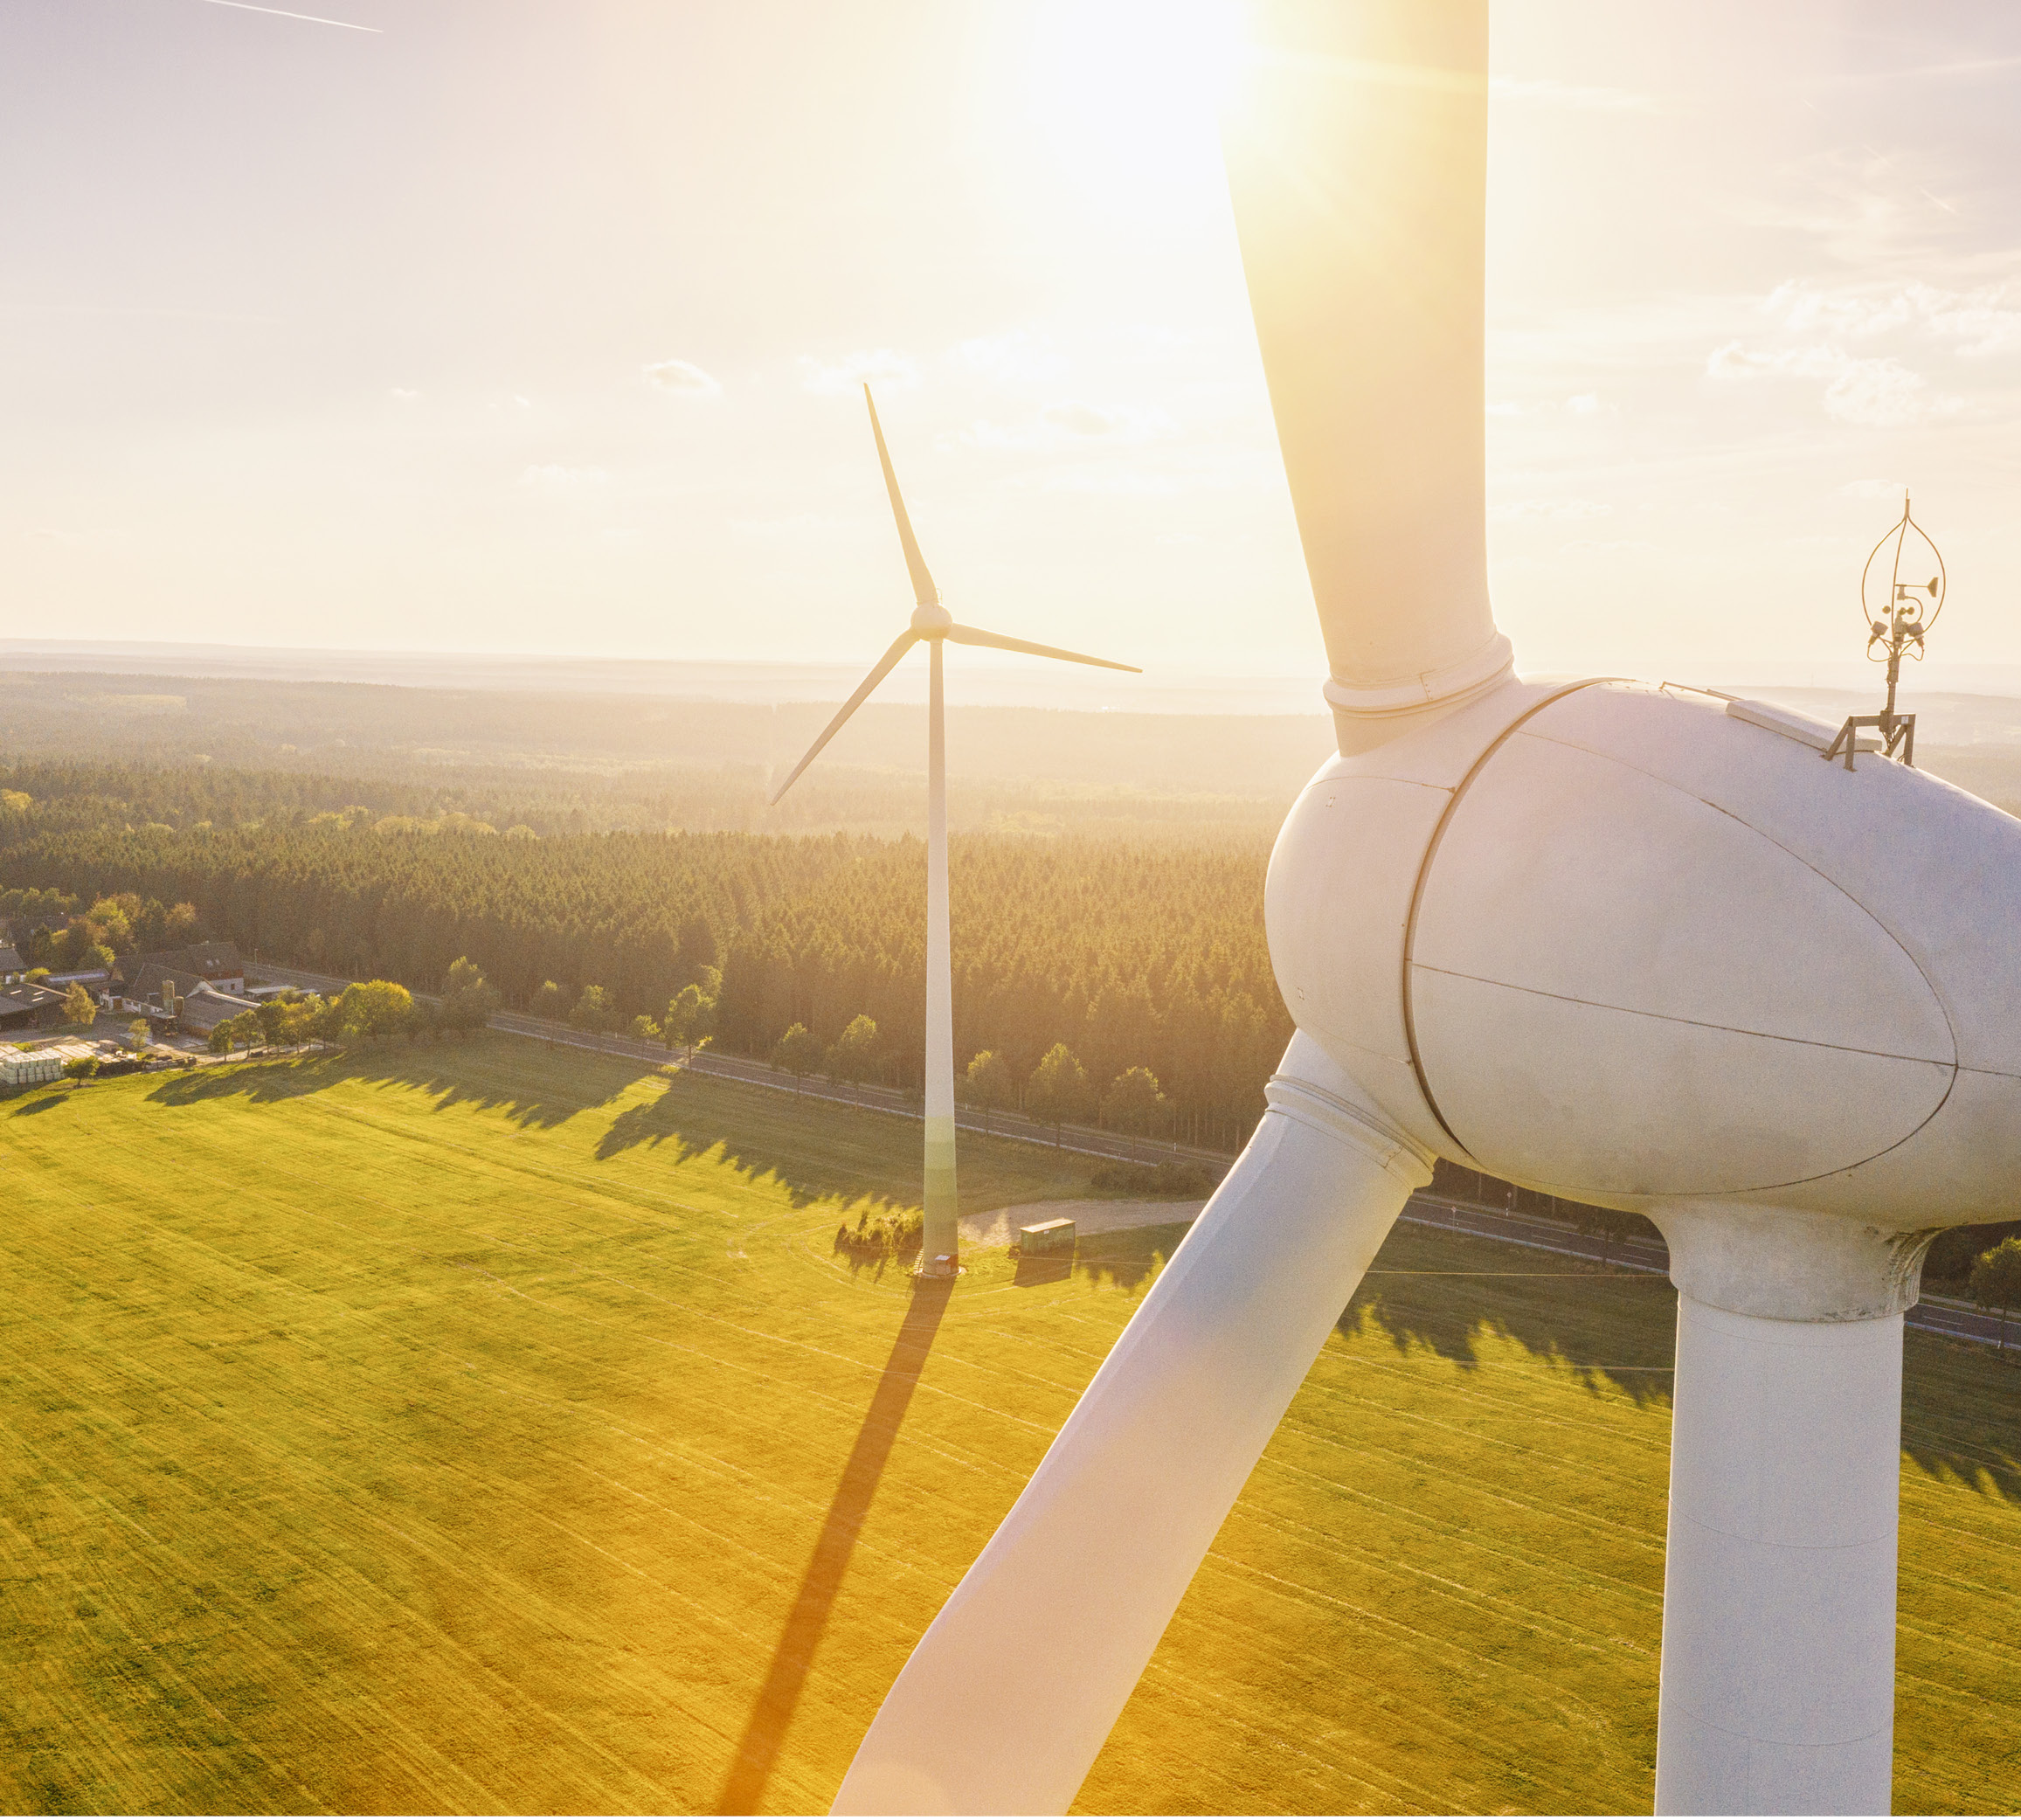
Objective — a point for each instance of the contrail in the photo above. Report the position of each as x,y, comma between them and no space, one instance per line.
314,19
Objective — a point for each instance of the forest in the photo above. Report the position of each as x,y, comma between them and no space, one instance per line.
1132,954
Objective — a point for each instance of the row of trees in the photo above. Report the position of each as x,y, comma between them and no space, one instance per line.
369,1009
1126,956
1057,1092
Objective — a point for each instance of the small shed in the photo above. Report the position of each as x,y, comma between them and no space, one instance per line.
1047,1239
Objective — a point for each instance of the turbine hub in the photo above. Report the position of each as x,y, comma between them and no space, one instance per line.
931,620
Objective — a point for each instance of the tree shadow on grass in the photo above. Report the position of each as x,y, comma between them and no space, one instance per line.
465,1074
1960,1415
1448,1292
43,1105
764,1730
1453,1293
1129,1257
809,1162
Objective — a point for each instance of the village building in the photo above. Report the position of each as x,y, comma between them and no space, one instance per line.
205,1007
155,984
28,1005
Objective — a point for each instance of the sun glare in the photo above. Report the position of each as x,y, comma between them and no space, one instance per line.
1126,92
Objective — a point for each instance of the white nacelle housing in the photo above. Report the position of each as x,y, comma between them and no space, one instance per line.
1622,945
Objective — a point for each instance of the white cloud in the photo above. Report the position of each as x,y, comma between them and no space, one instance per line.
402,394
831,378
1978,321
1584,404
1017,358
1505,407
1881,392
683,377
1873,489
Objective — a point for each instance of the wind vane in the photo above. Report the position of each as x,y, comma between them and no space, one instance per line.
1896,625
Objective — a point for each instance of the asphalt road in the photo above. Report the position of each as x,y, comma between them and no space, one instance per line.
1955,1320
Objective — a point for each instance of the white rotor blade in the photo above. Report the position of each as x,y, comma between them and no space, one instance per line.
881,669
997,642
924,593
1357,163
1008,1697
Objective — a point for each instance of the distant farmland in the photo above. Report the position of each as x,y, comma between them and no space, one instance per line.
481,1429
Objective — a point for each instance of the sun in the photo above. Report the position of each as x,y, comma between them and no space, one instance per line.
1126,93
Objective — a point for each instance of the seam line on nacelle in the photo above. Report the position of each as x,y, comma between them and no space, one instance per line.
1908,953
1694,1023
1953,1069
1760,833
1424,872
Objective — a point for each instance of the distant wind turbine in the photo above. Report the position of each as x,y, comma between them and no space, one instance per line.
932,622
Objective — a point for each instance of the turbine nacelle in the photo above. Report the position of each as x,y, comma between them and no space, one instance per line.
1640,947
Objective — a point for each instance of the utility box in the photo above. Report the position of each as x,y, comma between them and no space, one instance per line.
1047,1239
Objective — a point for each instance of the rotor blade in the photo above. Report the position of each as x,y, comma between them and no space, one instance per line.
924,593
1357,164
1008,1697
997,642
904,643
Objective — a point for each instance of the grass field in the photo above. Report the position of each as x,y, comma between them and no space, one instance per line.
485,1428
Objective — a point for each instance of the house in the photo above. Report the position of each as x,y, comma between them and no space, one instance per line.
215,962
205,1007
137,979
11,965
155,986
95,978
28,1005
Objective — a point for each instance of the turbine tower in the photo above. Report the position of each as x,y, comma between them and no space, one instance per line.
940,1234
1627,944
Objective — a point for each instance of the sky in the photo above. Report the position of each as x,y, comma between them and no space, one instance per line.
505,327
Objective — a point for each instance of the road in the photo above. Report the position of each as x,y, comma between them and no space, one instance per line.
1941,1315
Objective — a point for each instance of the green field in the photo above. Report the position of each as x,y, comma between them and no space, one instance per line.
480,1428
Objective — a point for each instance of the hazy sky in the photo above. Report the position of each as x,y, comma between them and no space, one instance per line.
537,328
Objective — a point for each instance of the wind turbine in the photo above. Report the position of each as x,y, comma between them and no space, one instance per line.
932,622
1627,944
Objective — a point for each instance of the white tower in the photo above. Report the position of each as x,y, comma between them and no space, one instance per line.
1630,946
940,1209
